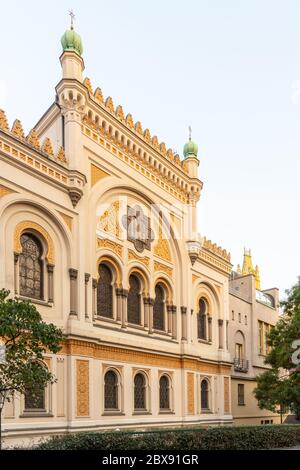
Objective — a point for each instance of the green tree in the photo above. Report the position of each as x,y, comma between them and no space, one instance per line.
24,339
279,388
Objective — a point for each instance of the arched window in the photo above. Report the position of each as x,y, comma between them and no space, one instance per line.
105,292
134,300
139,392
31,267
204,395
111,395
159,308
164,393
202,319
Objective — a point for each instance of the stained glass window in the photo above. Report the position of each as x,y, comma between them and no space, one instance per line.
159,308
139,392
31,267
202,330
134,300
164,393
111,390
105,292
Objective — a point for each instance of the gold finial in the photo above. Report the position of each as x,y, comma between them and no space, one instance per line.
72,16
190,133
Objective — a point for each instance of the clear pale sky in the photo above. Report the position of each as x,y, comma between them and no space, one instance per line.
228,68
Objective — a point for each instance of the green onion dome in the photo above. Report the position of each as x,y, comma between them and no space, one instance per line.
71,41
190,149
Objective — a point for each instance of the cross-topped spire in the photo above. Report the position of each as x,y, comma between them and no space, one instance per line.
72,16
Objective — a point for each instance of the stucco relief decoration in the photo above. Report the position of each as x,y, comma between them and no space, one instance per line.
109,105
88,85
162,248
129,121
138,228
155,142
99,96
120,113
33,139
138,128
109,220
47,147
61,157
147,136
3,121
17,129
82,388
22,226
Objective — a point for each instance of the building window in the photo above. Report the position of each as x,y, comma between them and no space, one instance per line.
105,292
202,319
240,318
204,395
134,300
31,267
35,397
260,337
159,308
241,394
239,353
164,393
246,320
232,314
139,392
111,391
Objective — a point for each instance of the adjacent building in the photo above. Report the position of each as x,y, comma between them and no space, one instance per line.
252,313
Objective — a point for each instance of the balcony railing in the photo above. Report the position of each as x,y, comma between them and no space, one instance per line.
241,365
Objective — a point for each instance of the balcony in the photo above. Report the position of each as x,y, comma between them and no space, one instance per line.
240,365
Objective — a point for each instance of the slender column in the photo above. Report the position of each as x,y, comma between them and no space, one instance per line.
174,322
119,304
209,319
170,318
94,303
220,323
191,330
227,327
146,312
151,303
73,273
50,270
124,307
86,289
183,324
16,272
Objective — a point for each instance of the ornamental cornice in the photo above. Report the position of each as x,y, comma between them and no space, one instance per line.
36,161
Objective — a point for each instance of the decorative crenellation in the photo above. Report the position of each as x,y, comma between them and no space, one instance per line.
3,121
32,139
136,127
143,163
28,159
47,147
214,248
17,129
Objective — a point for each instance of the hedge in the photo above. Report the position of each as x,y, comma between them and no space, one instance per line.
213,438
